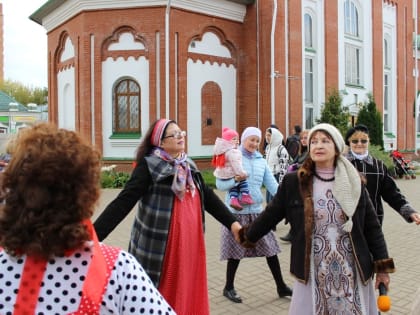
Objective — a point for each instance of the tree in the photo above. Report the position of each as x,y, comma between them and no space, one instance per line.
24,94
333,113
371,118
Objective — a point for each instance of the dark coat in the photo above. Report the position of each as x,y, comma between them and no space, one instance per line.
150,185
381,185
293,201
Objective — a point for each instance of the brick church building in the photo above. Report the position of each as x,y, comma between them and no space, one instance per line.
116,66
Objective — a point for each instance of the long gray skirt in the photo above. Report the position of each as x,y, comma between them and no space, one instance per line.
267,246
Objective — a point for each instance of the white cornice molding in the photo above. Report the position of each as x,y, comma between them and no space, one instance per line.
219,8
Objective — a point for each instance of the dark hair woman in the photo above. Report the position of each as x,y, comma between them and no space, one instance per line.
337,241
51,261
167,235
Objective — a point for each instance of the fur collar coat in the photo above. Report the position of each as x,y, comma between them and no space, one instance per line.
294,203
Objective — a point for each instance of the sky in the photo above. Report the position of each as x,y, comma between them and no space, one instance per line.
25,44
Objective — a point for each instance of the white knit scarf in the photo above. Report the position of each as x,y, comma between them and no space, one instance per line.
347,189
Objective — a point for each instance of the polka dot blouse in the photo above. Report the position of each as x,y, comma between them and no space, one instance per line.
129,290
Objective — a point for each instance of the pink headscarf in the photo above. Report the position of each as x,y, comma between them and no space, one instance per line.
158,131
182,176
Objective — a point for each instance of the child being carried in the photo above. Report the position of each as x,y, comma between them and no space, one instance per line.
227,160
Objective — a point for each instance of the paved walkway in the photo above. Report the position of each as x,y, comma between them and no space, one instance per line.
255,283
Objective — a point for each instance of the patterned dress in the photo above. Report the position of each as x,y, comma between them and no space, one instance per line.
334,286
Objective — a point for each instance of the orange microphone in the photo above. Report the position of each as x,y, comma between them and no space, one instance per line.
384,302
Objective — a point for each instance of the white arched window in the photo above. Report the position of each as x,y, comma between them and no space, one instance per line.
351,18
310,62
353,44
308,31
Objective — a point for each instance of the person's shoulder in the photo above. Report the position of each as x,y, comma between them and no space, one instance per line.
292,174
375,161
292,139
291,178
193,166
282,149
222,146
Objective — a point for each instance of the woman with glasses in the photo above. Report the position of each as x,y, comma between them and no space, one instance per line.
167,236
51,260
337,244
380,183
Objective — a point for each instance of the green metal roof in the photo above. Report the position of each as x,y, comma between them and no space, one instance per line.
5,101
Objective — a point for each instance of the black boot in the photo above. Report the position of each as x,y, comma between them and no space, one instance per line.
274,264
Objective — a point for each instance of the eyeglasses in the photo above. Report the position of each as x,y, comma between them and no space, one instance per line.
177,135
356,141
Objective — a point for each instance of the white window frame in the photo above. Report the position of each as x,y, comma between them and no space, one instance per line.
353,61
308,31
351,19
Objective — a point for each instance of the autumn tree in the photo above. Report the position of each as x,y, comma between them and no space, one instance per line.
24,94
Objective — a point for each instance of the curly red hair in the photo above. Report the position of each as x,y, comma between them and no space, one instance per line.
49,187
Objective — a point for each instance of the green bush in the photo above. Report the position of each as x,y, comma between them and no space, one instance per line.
377,152
371,118
209,178
113,179
334,113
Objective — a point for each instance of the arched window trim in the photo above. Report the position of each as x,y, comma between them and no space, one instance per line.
310,107
128,126
387,52
351,19
353,43
308,30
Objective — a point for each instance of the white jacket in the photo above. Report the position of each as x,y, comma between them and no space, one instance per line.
276,154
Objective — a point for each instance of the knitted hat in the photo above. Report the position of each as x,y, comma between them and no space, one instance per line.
250,131
347,183
352,130
332,131
228,134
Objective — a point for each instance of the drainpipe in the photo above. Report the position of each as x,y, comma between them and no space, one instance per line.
273,74
286,63
258,62
168,10
416,77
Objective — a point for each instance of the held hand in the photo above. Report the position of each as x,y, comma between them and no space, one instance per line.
239,178
384,278
235,228
416,218
243,240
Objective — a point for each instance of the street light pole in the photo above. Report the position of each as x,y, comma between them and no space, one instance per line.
416,78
